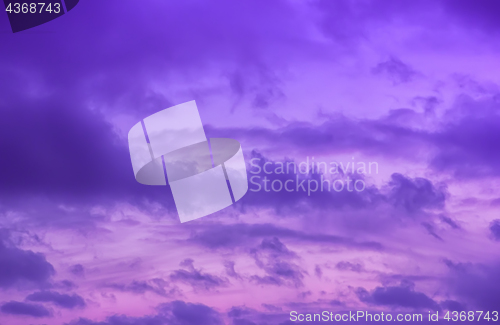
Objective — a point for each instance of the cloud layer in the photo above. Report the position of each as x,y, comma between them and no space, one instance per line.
341,82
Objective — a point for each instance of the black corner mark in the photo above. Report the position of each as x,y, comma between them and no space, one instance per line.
70,4
26,14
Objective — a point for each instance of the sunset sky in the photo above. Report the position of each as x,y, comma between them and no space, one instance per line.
413,86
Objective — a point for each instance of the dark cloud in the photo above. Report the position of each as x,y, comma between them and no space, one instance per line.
318,271
431,231
495,229
463,144
22,266
300,199
123,320
157,286
467,141
61,300
230,271
77,270
57,147
337,134
238,314
450,222
65,285
242,315
397,296
482,14
475,284
239,311
221,35
196,278
182,313
258,83
275,259
272,308
428,103
79,158
304,294
416,198
239,321
404,117
350,22
172,313
100,169
452,305
395,70
414,195
407,279
80,162
348,266
275,247
21,308
241,234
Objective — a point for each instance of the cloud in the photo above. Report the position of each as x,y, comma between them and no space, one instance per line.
60,153
182,313
172,313
336,134
396,70
220,35
466,141
241,234
66,285
274,258
157,286
414,195
196,278
318,272
349,22
81,162
237,314
400,296
239,321
475,284
460,142
80,159
123,320
22,266
450,222
230,271
239,311
258,82
431,231
300,199
452,305
495,229
275,247
242,315
272,308
482,13
61,300
21,308
348,266
77,270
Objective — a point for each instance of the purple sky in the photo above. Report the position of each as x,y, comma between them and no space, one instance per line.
410,85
